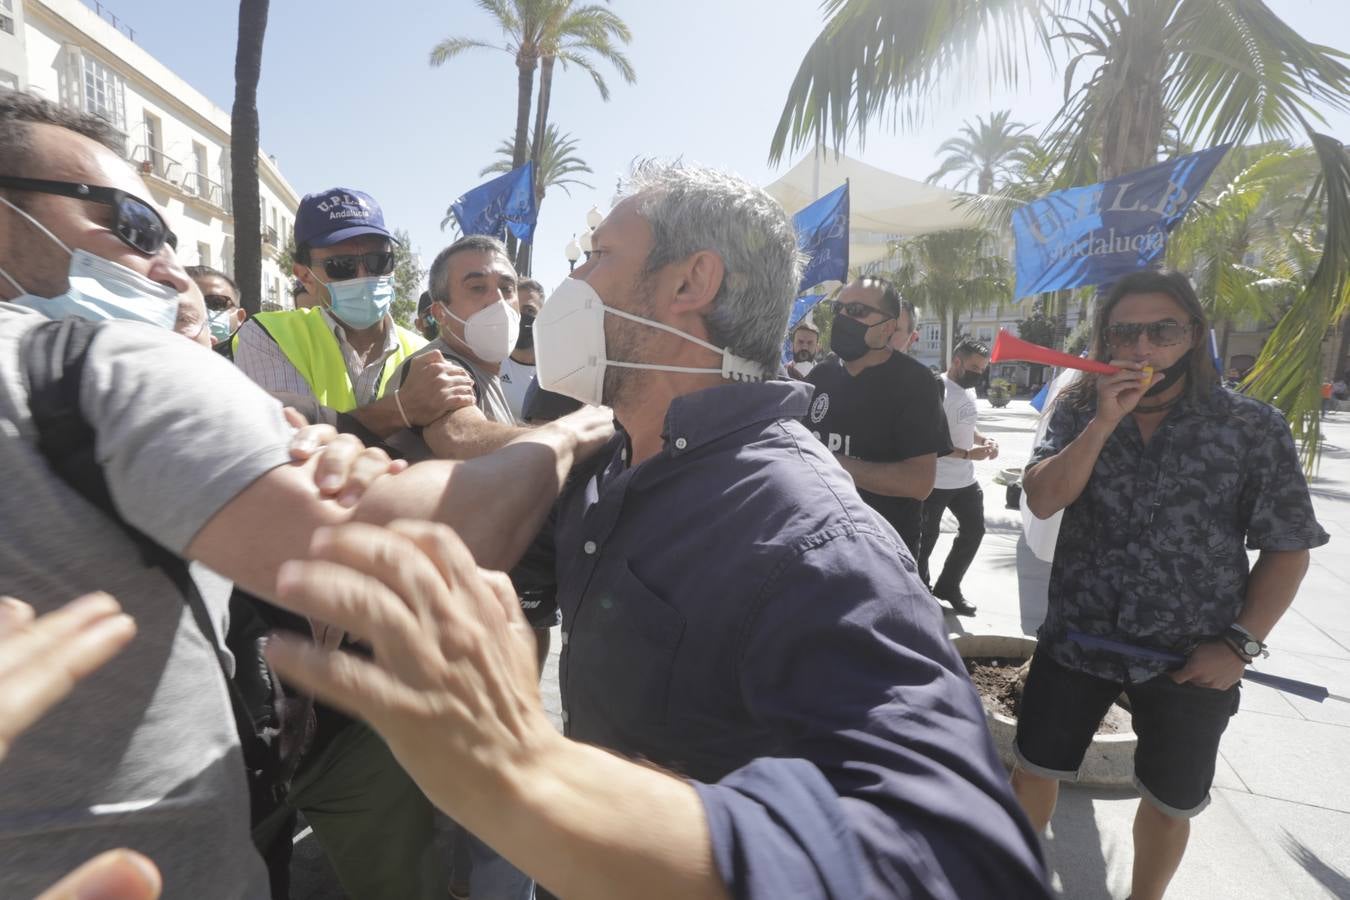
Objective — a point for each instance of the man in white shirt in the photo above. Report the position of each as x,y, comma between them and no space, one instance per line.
955,487
518,369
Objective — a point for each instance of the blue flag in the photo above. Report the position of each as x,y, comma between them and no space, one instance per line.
1098,233
1038,402
822,235
506,201
800,310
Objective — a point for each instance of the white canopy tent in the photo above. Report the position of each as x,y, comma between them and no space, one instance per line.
882,205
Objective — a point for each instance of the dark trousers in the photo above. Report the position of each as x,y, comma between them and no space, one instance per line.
967,504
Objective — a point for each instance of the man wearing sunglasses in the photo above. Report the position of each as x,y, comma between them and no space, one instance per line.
1167,481
224,315
879,411
336,362
196,465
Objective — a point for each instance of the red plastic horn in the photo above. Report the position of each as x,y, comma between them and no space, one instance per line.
1007,348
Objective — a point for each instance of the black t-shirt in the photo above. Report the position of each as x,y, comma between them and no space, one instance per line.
887,413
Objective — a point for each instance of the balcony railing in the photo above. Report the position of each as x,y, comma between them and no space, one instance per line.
213,192
153,161
157,164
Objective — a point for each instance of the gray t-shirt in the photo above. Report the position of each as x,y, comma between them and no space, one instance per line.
143,753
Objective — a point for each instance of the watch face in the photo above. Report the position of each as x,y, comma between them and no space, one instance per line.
1251,648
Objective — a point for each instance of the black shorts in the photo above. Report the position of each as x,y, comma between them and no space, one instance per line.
1178,726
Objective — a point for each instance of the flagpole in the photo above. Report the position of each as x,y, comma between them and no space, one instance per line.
815,171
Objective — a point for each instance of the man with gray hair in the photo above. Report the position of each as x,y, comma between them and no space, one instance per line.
734,616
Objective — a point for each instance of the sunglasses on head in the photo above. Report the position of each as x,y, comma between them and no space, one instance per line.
1160,334
857,310
137,223
348,265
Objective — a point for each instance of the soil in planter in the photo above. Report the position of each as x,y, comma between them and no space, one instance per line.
999,681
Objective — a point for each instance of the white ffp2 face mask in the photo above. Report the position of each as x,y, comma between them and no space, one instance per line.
491,333
100,289
569,346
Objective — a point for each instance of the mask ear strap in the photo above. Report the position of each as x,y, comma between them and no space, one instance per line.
18,287
39,226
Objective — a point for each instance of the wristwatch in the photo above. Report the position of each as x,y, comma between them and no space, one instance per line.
1244,642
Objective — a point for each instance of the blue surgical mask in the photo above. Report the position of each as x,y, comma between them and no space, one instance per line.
100,289
222,324
360,302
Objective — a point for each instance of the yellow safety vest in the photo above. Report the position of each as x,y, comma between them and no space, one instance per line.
304,336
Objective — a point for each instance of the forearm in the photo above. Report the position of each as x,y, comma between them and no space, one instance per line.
457,436
1054,483
1271,587
588,824
906,478
381,417
496,502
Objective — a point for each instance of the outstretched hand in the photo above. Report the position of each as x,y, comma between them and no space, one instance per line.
452,682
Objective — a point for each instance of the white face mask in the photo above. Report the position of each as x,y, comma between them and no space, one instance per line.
100,289
569,346
491,333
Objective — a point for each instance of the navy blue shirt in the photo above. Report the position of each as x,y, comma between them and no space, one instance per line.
734,612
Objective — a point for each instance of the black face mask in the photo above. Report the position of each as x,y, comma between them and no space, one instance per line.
848,338
431,329
803,356
526,339
970,379
1170,375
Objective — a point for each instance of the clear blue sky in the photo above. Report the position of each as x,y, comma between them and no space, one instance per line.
347,97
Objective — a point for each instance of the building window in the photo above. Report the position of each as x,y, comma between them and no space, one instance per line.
6,21
984,334
199,180
9,80
203,254
103,92
931,336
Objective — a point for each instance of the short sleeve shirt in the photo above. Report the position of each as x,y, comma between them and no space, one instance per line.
1153,552
887,413
144,752
962,411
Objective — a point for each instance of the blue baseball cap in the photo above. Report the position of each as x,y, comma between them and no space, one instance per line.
335,215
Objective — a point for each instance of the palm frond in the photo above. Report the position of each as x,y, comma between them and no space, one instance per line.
449,48
1288,371
881,59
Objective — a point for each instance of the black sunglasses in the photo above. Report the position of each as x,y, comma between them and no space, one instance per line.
137,223
1160,334
218,302
348,265
857,310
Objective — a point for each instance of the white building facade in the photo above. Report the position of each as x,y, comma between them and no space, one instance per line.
82,57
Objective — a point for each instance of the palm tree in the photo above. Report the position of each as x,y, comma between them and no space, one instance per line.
522,22
538,34
1226,70
984,151
557,167
948,273
1253,209
573,35
244,154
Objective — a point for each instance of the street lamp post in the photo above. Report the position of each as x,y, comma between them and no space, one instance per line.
573,252
594,218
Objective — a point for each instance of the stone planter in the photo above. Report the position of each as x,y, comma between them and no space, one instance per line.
1109,761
